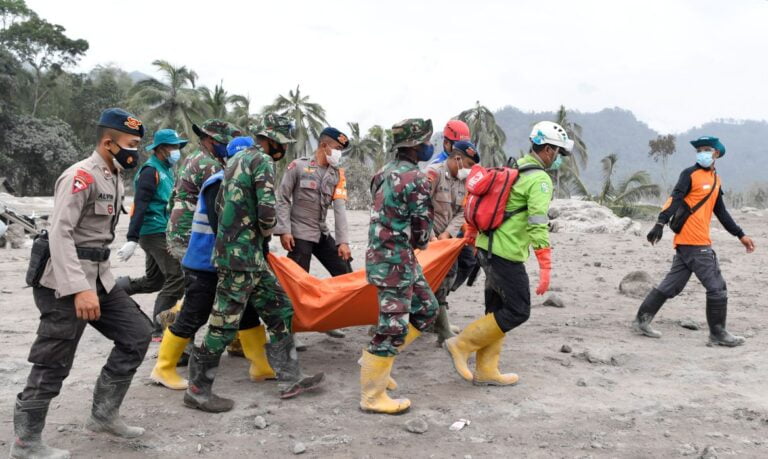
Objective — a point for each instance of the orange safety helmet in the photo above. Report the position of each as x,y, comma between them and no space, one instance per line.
456,130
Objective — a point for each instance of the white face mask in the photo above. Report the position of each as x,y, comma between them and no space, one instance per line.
462,174
334,158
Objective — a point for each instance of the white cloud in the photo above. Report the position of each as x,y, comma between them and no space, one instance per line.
675,64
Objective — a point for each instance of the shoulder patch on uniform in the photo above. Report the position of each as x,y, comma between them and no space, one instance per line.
432,175
81,181
544,187
291,165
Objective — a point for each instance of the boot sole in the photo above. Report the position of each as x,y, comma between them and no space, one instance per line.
640,331
304,385
492,383
367,411
160,382
724,344
96,427
193,404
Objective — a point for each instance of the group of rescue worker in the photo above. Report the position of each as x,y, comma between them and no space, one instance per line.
205,221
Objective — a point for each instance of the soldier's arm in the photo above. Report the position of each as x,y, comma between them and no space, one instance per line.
146,186
420,206
284,196
264,186
72,191
539,196
340,210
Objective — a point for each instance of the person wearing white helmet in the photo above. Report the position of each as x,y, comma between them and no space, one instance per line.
507,293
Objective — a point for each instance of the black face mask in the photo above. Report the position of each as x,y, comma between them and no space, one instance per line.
277,153
126,158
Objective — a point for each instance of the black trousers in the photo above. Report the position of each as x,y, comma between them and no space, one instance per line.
163,272
325,250
507,293
466,263
60,331
699,260
199,295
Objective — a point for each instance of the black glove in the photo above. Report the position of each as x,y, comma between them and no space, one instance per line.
265,245
654,235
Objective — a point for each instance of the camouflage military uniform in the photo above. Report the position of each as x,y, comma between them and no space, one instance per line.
192,173
245,280
401,221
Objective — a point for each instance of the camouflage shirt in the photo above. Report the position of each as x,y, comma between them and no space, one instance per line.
192,173
401,220
248,211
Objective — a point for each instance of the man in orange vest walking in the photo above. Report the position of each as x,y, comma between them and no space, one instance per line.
697,195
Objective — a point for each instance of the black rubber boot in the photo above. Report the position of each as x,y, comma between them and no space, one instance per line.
284,360
648,309
443,326
124,282
108,395
185,356
199,394
28,423
717,310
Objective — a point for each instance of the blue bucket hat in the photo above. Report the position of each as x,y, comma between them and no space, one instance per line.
167,137
709,141
239,143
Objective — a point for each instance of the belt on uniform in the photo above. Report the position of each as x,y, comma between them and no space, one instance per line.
92,254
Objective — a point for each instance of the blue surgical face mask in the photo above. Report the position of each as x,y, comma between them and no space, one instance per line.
556,163
174,157
705,159
425,152
220,150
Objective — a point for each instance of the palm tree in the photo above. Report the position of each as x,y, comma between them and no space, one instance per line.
486,134
574,131
241,114
171,103
384,141
623,198
214,102
309,118
361,149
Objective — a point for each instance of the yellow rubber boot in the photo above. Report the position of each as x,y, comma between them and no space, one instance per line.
477,335
374,374
487,368
253,341
168,356
413,333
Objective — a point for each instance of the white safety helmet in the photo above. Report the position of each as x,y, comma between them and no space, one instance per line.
552,133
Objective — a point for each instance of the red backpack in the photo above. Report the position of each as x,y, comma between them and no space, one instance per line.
487,195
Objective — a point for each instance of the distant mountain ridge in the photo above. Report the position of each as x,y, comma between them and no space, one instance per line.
615,130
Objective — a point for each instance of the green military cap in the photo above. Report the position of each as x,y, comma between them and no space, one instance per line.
220,130
276,127
411,132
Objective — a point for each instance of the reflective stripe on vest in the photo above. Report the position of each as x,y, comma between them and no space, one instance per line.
202,239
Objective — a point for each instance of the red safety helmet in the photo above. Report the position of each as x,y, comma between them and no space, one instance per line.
456,130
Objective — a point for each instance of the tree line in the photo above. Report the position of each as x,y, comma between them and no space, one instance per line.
48,116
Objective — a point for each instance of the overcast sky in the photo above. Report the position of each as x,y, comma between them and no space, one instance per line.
675,64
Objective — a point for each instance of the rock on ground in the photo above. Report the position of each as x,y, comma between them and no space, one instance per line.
636,284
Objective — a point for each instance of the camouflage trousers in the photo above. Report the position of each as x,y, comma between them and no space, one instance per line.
177,247
397,307
238,290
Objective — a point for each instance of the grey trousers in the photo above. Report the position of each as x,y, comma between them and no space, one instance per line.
699,260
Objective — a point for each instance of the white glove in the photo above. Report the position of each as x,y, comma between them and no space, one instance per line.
126,252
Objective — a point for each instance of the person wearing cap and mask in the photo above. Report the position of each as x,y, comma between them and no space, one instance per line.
77,288
698,195
454,131
447,180
507,294
245,281
308,188
200,291
149,218
193,171
401,222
